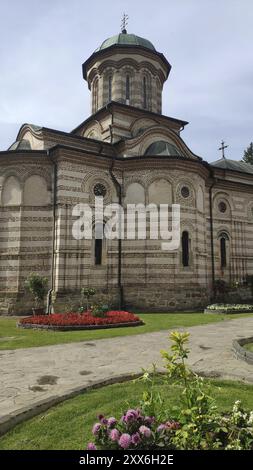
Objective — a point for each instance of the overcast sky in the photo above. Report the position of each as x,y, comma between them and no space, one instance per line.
208,43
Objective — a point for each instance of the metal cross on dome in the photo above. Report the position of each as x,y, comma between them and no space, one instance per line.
223,147
124,23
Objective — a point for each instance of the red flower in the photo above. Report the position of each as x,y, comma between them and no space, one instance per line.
77,319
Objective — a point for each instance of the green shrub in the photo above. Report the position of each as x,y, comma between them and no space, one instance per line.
86,293
37,286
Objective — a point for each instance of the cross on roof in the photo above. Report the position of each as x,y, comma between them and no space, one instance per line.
124,23
223,147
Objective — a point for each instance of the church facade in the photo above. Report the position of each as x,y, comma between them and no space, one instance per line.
128,152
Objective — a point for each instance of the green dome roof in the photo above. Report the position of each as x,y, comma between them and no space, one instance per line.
125,39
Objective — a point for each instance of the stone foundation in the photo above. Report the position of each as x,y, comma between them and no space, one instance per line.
166,300
134,299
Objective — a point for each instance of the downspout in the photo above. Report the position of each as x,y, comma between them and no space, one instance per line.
52,283
211,229
119,194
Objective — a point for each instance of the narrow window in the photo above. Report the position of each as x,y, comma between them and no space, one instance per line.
95,96
223,252
144,93
98,248
110,88
127,89
185,249
98,251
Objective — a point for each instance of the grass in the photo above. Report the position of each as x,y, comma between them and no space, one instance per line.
68,425
12,337
249,347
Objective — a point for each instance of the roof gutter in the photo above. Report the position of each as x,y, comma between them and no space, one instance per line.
211,227
119,194
52,281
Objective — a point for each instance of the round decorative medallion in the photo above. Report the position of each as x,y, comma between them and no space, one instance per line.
99,190
222,207
185,192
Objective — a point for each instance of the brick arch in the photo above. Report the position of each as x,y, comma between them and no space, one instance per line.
11,196
222,196
43,173
156,133
38,195
89,182
178,184
137,181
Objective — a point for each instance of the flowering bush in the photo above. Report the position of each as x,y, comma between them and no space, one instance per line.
76,319
230,308
194,425
132,431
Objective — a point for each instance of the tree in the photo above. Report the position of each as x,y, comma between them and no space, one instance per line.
248,154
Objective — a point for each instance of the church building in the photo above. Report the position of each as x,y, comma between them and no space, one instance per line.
128,152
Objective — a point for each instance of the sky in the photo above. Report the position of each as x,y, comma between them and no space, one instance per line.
207,42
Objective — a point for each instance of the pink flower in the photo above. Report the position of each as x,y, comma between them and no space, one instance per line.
96,428
131,415
136,438
145,431
161,427
114,435
104,421
125,441
91,446
111,422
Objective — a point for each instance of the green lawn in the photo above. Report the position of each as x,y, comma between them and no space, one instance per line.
68,425
12,337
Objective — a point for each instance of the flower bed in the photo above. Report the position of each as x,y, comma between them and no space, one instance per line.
229,308
77,321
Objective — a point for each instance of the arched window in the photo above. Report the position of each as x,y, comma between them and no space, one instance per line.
144,93
98,248
110,88
223,250
127,89
185,249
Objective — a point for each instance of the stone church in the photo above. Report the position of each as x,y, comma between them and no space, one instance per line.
128,152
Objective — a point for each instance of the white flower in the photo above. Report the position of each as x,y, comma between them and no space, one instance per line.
250,419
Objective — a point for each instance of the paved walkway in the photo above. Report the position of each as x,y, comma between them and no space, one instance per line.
28,376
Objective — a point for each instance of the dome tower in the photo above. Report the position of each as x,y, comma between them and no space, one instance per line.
127,69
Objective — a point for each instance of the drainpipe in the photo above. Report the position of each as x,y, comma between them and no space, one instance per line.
119,194
49,295
211,228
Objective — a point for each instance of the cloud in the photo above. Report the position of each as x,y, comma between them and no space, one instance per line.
208,44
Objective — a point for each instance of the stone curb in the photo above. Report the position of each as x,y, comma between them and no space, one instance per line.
240,352
35,326
9,421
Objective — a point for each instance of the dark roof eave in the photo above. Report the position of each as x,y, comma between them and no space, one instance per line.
127,106
227,170
128,46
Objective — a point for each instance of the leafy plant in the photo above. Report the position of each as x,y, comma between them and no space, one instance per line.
99,310
37,286
86,293
194,425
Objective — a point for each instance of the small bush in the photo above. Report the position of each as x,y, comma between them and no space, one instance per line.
194,425
37,286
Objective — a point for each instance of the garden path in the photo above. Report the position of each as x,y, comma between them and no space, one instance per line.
32,379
